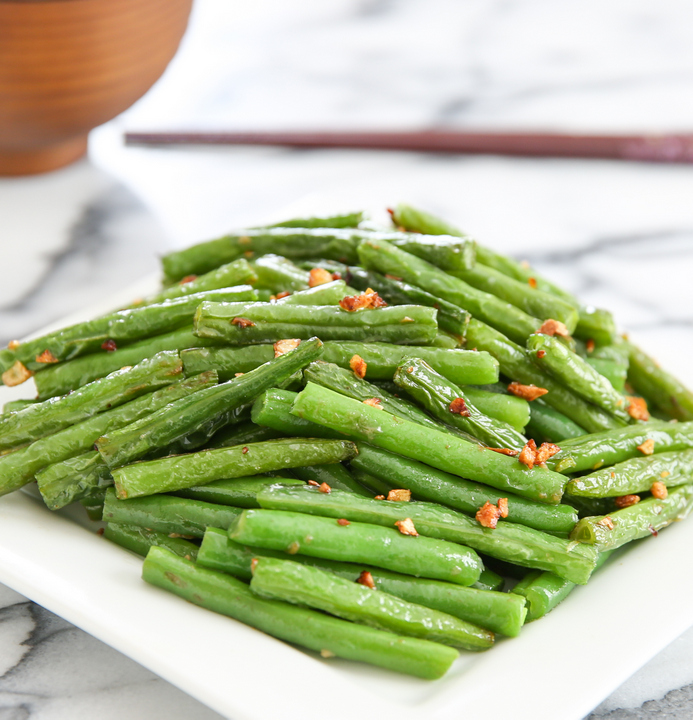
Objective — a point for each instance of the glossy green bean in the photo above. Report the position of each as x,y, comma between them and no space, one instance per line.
549,425
139,540
500,405
238,492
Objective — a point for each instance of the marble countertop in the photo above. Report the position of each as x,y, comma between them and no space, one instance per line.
619,234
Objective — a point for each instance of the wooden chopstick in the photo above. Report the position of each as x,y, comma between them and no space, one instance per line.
653,148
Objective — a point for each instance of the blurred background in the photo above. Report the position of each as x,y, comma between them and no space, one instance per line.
620,234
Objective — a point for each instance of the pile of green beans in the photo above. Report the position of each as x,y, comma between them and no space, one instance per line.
325,430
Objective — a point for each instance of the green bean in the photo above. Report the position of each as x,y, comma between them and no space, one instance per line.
41,419
645,518
635,475
336,476
300,584
316,631
278,274
65,377
242,434
428,483
500,405
164,513
597,325
549,425
228,361
438,395
510,542
515,364
405,324
326,294
239,492
347,220
544,590
441,450
591,452
202,412
385,547
530,300
374,485
273,409
75,478
657,386
489,580
139,540
390,260
613,371
183,471
495,611
15,405
570,369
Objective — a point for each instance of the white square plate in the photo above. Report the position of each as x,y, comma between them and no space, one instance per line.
558,669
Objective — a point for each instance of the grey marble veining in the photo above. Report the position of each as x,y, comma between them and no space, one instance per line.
620,235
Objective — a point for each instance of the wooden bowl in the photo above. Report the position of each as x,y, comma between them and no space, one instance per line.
67,66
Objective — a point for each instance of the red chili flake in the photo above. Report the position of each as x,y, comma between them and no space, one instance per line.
528,456
282,294
187,279
541,354
109,345
554,327
365,301
312,482
46,357
459,407
391,211
253,565
505,451
653,531
319,276
637,408
365,578
526,392
590,345
336,276
358,365
626,501
488,515
546,451
343,522
325,488
659,490
245,451
393,277
100,531
532,282
242,322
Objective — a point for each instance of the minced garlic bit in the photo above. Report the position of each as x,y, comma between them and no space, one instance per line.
532,282
554,327
407,319
505,451
399,495
365,301
242,322
327,654
46,357
325,488
238,374
373,402
406,527
488,515
637,408
187,279
606,522
546,451
379,497
659,490
343,522
16,375
312,482
459,407
647,448
358,365
664,474
244,240
365,578
282,294
319,276
284,346
253,565
13,344
528,456
626,501
526,392
503,507
590,345
293,548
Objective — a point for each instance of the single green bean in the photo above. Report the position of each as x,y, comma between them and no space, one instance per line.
612,370
278,274
347,220
331,636
228,361
305,585
139,540
549,425
428,483
183,471
336,476
438,449
239,492
510,542
500,405
386,547
645,518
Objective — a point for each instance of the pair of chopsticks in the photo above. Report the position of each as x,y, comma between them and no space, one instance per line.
649,148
